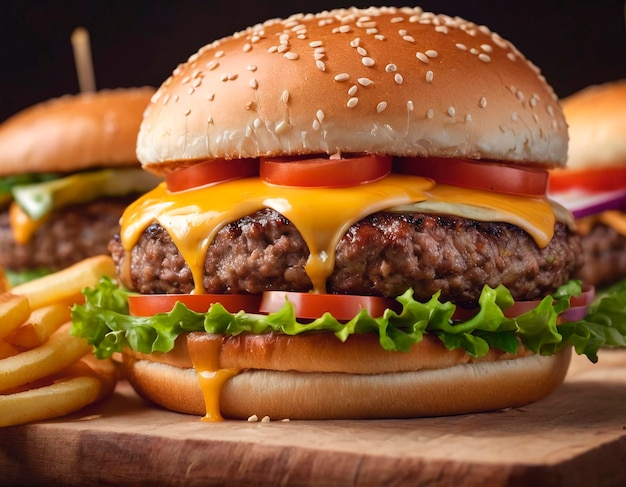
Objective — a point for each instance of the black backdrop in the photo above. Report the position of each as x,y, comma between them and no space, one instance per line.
574,42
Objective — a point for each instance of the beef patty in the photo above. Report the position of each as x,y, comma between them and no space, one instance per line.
381,255
68,236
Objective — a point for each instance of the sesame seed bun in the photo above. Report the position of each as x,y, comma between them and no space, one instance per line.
327,82
293,380
74,132
596,117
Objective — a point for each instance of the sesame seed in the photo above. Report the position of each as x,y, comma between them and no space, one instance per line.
429,76
292,56
316,125
247,47
249,105
511,56
320,115
535,117
320,65
378,37
468,118
402,32
254,84
396,20
514,116
251,67
408,38
460,46
451,111
484,57
190,91
344,29
483,102
252,419
352,90
381,106
431,53
409,106
265,419
355,42
533,101
474,51
185,80
352,102
272,49
398,78
422,57
342,77
284,96
319,55
520,95
361,51
315,44
365,81
441,28
257,123
430,113
209,119
391,68
166,99
281,127
486,47
197,82
367,61
211,97
550,110
187,112
219,53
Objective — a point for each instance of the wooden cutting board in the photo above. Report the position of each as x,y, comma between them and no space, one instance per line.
576,436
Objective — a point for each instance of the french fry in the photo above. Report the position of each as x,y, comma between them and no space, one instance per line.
61,350
4,281
38,327
47,402
82,383
14,310
7,350
65,286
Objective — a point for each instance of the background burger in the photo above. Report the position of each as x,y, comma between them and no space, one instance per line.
593,185
67,170
353,224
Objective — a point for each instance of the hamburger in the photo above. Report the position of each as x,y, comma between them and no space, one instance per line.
593,185
352,224
68,169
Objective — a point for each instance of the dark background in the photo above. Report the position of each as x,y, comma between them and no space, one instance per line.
574,42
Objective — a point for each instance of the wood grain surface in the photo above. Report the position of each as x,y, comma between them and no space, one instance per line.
576,436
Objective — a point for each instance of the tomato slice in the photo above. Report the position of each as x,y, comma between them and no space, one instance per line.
324,172
211,172
476,175
599,180
151,304
342,307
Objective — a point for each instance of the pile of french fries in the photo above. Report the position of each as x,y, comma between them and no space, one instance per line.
44,371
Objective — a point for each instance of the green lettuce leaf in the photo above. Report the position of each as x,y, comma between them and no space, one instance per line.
104,320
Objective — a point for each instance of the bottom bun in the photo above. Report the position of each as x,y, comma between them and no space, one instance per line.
458,389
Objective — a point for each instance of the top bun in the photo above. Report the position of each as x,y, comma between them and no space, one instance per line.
596,117
388,80
74,132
